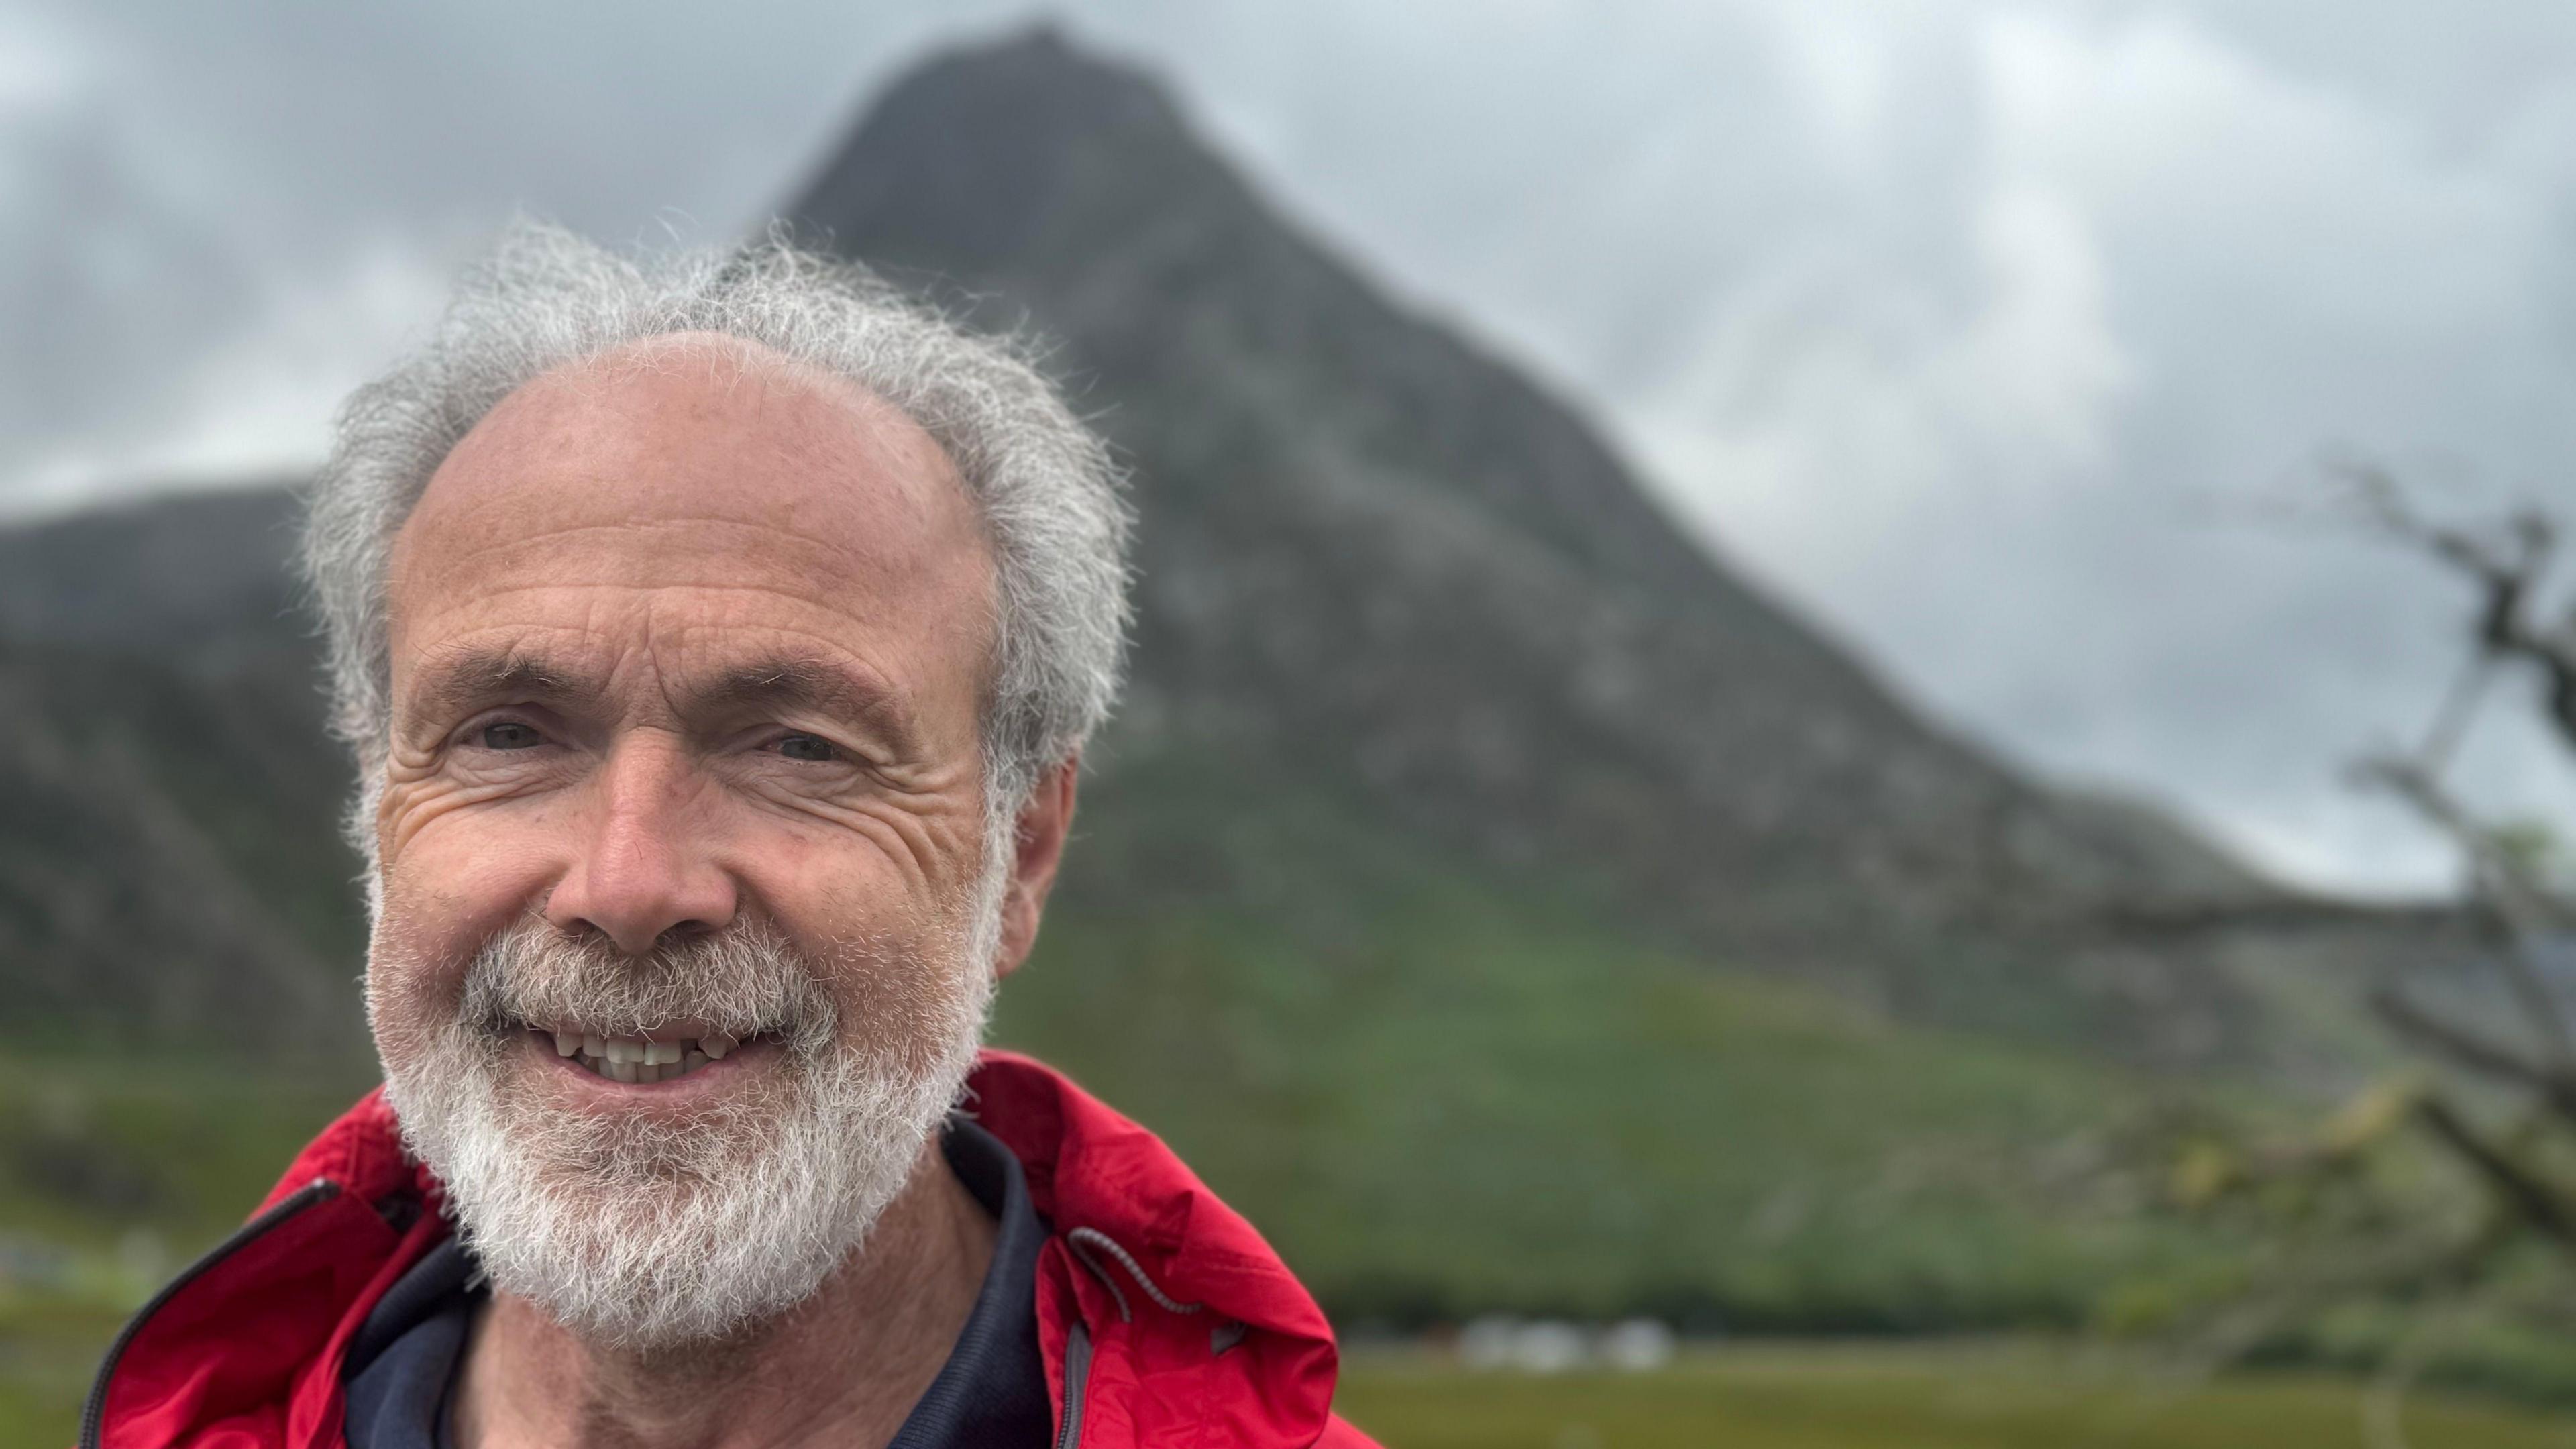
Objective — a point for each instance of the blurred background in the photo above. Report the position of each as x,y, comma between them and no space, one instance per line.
1738,817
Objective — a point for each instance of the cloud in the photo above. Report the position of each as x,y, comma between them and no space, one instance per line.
2015,429
40,66
256,406
197,264
1984,332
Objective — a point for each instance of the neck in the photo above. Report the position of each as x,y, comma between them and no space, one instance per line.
843,1367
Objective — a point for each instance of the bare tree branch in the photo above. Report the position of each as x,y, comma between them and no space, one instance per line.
2348,1229
2507,566
2533,1200
2528,911
2459,707
2313,1275
2526,904
2466,1048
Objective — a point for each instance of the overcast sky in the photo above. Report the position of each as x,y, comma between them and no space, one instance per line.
1997,338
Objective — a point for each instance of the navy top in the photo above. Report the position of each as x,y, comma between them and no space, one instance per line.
991,1394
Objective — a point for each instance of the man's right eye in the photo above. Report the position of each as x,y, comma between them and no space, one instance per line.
509,734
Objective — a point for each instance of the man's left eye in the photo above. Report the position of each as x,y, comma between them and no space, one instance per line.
807,747
510,735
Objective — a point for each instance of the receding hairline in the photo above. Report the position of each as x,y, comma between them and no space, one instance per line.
886,437
921,479
748,359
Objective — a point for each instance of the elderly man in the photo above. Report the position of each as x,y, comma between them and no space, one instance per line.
717,637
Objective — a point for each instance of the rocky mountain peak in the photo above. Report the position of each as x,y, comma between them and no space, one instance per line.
1378,561
1394,600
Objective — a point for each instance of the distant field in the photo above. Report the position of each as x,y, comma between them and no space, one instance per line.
1852,1169
1778,1397
116,1169
1439,1099
1978,1397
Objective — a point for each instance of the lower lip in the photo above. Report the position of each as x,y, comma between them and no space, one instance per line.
713,1077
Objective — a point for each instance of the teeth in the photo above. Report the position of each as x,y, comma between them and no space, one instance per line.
633,1059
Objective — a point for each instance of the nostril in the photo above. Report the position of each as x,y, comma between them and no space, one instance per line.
644,881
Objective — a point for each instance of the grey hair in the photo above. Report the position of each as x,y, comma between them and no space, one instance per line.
1050,497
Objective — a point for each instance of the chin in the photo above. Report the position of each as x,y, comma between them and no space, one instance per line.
668,1150
653,1216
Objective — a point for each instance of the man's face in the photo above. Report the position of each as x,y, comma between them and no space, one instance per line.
688,646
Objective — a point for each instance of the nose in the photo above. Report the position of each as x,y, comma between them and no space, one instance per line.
640,870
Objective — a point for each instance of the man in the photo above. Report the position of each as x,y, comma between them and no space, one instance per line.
717,637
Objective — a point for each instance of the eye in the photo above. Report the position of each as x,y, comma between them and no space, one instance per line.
802,746
509,734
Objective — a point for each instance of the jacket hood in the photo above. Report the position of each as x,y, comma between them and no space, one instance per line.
1179,1323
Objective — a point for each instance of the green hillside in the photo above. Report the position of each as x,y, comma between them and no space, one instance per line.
1494,897
1440,1094
116,1169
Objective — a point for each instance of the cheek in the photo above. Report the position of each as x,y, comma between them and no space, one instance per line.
898,972
825,888
440,908
472,873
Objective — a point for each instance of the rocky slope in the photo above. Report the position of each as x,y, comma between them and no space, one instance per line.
167,794
1386,582
1380,564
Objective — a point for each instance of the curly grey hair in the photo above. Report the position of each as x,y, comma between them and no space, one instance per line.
1049,495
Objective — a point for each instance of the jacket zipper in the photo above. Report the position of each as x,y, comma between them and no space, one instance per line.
94,1411
1077,1375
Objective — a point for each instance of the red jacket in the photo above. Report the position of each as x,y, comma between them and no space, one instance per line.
1165,1320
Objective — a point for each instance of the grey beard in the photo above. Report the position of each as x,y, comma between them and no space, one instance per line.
654,1233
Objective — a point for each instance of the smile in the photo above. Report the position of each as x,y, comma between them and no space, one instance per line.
639,1059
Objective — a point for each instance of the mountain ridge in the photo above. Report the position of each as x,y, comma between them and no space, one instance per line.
1300,439
1377,568
1484,890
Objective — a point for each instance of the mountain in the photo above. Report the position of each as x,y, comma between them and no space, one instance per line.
1381,565
167,791
1482,885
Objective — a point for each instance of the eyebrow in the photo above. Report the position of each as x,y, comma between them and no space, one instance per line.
452,688
852,697
459,685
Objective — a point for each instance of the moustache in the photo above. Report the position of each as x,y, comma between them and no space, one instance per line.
747,981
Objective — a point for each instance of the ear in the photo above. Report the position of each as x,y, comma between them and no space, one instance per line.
1037,846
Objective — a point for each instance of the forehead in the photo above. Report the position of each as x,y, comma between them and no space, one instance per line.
700,470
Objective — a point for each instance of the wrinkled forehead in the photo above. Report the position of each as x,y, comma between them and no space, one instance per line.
700,464
696,430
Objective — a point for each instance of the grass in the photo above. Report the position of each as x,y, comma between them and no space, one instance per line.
1791,1396
1904,1397
115,1170
1652,1114
46,1359
1440,1098
109,1152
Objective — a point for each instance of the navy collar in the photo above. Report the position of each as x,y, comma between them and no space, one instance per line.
990,1394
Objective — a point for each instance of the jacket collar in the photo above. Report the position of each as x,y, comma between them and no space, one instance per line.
1147,1277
